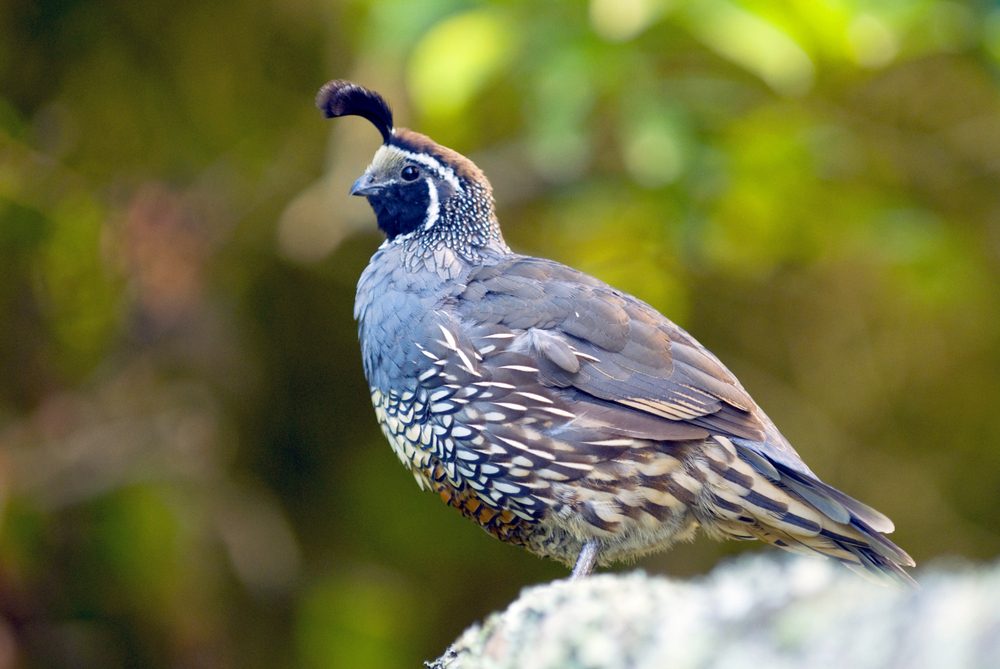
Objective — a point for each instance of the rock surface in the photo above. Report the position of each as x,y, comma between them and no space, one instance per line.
755,612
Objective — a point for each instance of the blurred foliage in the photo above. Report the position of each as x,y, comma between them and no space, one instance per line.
189,469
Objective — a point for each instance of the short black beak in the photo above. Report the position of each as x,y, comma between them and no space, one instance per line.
364,187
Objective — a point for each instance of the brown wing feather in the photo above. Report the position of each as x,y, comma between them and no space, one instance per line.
626,353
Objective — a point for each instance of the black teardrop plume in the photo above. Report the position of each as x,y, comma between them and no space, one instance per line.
346,98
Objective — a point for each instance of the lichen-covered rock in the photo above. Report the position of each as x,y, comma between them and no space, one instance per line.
756,612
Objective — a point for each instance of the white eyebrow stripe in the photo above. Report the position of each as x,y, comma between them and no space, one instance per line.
446,172
433,208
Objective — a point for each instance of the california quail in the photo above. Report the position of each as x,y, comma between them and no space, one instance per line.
557,412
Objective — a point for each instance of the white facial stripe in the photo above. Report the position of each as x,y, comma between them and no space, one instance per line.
446,172
433,208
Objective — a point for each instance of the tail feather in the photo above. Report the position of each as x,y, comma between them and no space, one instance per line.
825,496
870,562
798,512
854,554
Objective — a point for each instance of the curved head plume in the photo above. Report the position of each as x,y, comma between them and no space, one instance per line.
345,98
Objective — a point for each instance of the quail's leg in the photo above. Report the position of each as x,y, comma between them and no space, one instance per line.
586,560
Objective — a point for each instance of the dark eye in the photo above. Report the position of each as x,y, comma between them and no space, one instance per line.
410,173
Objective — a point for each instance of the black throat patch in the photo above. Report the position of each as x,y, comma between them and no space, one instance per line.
401,208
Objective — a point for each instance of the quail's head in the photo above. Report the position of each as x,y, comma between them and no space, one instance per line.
415,186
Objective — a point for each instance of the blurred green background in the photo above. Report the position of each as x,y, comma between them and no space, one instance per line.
190,472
